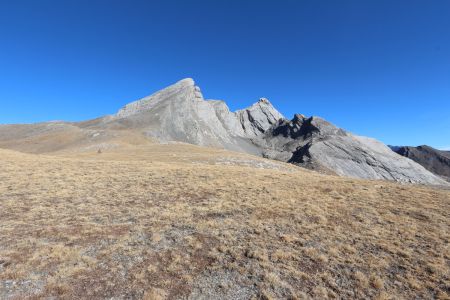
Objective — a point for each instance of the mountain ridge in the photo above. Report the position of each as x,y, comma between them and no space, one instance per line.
180,113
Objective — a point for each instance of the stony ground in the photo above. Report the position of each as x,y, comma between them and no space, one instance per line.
183,222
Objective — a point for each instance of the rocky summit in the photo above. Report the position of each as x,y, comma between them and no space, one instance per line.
180,113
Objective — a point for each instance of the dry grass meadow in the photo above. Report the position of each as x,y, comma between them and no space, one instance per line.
183,222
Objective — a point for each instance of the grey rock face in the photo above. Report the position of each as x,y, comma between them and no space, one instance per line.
180,113
185,89
435,161
318,144
259,117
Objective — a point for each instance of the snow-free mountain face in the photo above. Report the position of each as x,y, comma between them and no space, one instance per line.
434,160
180,113
317,144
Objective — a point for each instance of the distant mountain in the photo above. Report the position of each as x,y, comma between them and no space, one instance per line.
180,113
434,160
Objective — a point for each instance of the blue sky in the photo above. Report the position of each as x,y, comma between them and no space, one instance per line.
377,68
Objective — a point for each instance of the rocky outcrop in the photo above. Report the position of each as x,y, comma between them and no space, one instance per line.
435,161
317,144
259,117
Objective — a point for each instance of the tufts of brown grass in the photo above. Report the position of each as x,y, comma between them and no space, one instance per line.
178,221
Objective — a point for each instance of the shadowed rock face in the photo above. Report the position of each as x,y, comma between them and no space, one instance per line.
434,160
180,113
317,144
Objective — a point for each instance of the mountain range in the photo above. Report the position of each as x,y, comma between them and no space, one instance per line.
179,113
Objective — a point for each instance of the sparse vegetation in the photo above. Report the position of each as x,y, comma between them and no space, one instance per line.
175,221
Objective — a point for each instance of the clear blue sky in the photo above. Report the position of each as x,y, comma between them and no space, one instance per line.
377,68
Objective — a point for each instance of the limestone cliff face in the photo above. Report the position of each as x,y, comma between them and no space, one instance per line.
257,118
182,90
180,113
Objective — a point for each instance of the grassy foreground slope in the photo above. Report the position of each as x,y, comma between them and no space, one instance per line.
179,221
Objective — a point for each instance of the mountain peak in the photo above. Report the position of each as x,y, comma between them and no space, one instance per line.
186,82
259,117
264,101
181,90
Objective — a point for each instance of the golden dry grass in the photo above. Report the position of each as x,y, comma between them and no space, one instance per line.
179,221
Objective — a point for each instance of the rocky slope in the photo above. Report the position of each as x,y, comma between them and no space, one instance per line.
180,113
317,144
434,160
